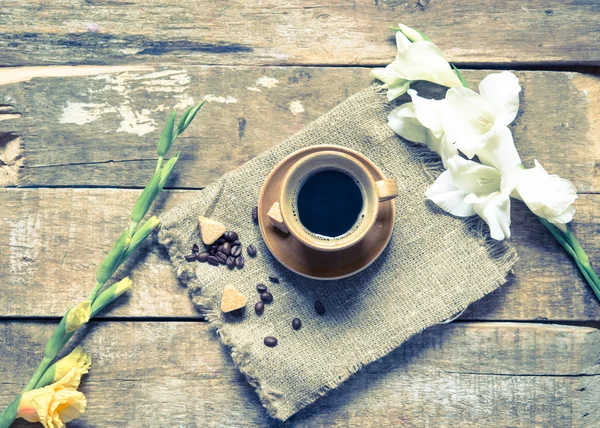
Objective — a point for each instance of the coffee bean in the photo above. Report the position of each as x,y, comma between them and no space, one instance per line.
203,256
259,308
236,251
190,257
266,297
221,240
274,279
296,323
319,307
231,236
236,242
270,341
220,249
213,260
251,250
230,262
195,248
261,288
211,248
226,248
255,215
240,262
222,257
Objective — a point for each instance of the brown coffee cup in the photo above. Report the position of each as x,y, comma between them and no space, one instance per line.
283,213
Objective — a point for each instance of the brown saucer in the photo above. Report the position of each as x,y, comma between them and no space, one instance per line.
318,264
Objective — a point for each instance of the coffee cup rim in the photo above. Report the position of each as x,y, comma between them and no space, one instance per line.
347,241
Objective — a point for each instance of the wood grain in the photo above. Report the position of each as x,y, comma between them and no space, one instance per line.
481,374
101,130
51,241
295,32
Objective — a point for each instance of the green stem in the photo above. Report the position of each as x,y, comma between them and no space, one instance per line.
44,364
572,246
158,164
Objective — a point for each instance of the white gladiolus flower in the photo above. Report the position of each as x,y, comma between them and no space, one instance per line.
469,188
421,60
420,122
471,119
547,196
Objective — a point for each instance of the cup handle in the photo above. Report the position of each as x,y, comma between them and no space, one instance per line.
386,189
276,218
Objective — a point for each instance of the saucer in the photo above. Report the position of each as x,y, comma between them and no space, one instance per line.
315,264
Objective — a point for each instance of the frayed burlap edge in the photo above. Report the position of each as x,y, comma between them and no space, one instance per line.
502,254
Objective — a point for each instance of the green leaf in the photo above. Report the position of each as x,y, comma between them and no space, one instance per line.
112,260
460,76
166,139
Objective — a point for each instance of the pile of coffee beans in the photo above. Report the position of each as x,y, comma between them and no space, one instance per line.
227,250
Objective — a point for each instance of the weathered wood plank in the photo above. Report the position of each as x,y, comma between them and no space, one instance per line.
294,32
101,130
51,241
482,374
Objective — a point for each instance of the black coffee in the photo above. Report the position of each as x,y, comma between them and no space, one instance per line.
329,203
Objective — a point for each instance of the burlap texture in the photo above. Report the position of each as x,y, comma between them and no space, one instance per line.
434,266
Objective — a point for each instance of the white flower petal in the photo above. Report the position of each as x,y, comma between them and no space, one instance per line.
448,197
442,147
494,209
547,196
466,118
395,84
500,152
423,60
473,177
402,42
429,112
501,90
404,122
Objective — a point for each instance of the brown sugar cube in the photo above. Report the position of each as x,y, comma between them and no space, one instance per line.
274,215
210,230
232,299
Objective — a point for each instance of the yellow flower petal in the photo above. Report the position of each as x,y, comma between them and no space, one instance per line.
78,315
55,404
78,359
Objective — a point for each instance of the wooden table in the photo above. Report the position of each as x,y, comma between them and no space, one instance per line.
82,105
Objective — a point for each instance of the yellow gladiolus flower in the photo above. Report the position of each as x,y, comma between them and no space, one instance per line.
55,404
78,315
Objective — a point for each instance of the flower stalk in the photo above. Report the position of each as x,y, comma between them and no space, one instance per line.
469,130
125,245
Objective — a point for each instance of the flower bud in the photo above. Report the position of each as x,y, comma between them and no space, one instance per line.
77,360
187,117
145,199
78,315
112,260
166,138
167,170
110,295
141,234
412,34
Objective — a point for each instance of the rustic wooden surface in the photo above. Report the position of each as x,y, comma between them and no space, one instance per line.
84,90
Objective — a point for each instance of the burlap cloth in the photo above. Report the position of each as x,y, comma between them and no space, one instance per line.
434,266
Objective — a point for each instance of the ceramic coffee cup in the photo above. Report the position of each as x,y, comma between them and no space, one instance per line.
285,214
